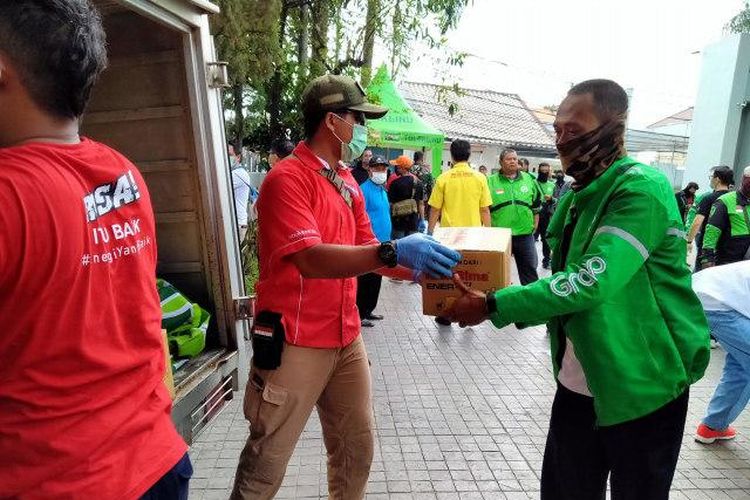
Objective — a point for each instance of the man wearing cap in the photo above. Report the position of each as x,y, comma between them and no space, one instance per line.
379,212
727,237
406,195
314,239
361,168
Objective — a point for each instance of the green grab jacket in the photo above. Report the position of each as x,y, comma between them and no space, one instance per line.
623,295
727,236
514,202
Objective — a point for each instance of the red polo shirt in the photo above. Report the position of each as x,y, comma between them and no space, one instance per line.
297,209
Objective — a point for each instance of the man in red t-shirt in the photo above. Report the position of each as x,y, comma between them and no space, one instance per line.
84,412
314,239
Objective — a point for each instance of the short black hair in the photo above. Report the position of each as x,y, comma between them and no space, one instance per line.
691,185
545,164
418,156
724,174
58,48
610,99
505,152
460,150
282,147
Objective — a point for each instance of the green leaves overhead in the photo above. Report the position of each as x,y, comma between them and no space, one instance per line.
274,47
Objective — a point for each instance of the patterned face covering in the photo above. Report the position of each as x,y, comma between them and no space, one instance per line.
589,155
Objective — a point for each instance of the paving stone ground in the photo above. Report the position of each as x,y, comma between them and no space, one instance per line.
460,414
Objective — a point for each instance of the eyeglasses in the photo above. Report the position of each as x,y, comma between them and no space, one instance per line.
359,117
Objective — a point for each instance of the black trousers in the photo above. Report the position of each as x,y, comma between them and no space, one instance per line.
641,454
541,232
524,252
368,291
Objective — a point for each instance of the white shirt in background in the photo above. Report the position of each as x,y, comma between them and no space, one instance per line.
241,186
724,288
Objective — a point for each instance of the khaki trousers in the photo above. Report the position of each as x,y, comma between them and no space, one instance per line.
278,404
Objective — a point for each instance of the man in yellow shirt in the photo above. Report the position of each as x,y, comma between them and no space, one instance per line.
461,197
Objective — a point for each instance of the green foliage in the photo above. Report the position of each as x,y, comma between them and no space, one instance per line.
274,47
741,22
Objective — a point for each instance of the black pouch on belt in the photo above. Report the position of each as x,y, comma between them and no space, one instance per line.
267,340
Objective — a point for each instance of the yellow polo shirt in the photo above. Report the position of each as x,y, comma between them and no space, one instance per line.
459,193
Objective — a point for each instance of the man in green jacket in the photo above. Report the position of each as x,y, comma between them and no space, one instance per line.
547,189
628,335
516,200
727,237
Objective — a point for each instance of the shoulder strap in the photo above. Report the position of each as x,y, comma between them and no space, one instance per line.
337,182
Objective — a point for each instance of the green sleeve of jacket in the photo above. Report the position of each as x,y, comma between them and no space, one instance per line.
718,222
635,223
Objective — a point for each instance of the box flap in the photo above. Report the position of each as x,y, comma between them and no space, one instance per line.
483,239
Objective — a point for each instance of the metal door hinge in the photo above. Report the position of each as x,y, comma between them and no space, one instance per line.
244,307
218,76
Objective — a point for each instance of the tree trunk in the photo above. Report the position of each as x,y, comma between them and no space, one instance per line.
239,116
320,16
371,21
303,40
275,88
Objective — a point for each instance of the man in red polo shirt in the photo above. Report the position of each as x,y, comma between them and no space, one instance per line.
315,238
84,413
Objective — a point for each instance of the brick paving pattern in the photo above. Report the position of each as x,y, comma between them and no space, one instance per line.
460,414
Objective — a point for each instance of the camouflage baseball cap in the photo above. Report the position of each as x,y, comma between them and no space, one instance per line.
336,92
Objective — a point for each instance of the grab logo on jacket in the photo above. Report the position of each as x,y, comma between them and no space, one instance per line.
567,284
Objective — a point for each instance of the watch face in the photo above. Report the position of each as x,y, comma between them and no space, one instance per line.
387,254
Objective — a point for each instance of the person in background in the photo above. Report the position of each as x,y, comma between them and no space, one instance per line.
84,411
460,197
424,174
483,170
379,211
561,188
724,292
523,165
686,198
547,188
242,189
361,172
406,195
727,236
516,201
627,333
314,239
280,149
720,180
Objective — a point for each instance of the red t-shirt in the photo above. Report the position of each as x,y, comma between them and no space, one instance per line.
84,412
299,208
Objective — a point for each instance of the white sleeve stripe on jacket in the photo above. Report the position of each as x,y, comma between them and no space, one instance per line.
626,236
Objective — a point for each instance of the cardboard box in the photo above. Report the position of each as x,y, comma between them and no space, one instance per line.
485,265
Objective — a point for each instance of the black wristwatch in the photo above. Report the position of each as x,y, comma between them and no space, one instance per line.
491,303
387,254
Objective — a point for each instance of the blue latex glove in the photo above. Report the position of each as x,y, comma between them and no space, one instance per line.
423,253
422,226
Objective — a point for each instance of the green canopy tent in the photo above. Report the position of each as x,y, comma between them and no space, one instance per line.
401,127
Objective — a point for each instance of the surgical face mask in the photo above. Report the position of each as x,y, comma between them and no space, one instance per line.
356,147
379,178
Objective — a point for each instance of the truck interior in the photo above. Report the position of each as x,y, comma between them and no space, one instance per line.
143,106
